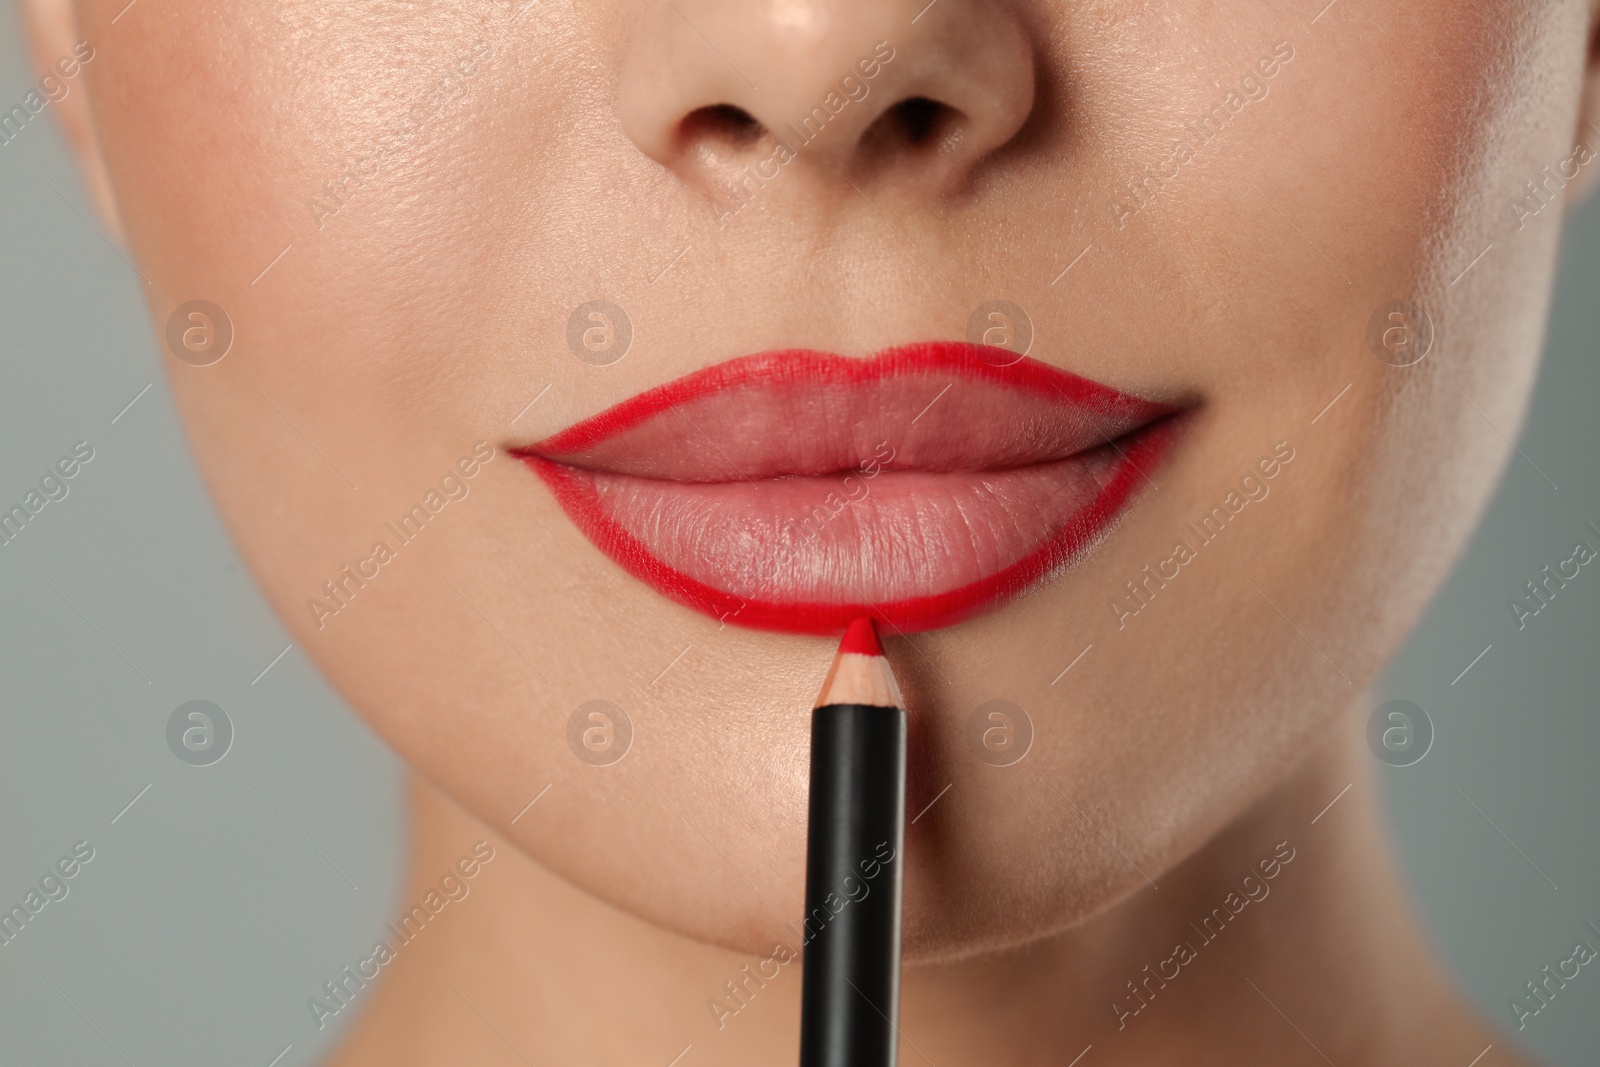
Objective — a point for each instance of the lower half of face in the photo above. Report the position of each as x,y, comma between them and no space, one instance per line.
1250,238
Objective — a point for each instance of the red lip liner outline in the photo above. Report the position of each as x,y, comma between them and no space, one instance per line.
1140,453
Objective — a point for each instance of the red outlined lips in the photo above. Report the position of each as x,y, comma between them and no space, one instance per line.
797,490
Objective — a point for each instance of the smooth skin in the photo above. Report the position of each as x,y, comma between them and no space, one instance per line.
451,180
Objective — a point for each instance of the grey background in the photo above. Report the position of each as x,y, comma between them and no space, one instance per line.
226,895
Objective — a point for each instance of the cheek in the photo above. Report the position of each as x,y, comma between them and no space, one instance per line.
1433,154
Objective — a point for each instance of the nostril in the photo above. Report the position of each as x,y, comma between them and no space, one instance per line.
910,129
722,124
918,120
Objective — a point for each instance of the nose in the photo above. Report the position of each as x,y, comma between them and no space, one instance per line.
876,90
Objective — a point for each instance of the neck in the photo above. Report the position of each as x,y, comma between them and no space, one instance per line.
1318,962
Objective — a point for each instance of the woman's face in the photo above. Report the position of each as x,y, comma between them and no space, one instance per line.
1240,217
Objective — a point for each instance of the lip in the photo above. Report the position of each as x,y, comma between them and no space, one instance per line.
798,490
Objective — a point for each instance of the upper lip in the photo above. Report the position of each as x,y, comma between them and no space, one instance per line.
939,406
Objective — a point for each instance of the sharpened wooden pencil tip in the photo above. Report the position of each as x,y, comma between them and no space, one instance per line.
860,673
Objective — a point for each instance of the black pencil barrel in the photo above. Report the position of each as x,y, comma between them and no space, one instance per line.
850,992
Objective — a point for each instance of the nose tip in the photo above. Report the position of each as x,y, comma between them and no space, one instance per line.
896,90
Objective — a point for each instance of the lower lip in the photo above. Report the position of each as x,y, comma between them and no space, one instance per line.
914,550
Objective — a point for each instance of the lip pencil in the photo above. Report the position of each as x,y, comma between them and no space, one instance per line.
850,989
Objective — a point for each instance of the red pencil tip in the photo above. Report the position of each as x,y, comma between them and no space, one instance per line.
861,637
